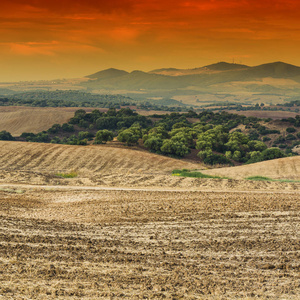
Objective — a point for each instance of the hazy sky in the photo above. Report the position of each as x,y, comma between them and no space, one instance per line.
47,39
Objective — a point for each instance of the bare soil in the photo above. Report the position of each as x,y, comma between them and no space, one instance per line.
126,229
148,244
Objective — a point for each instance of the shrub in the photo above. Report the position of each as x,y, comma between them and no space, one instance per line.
266,139
272,153
128,136
291,129
6,136
67,127
210,158
290,137
54,129
72,174
187,173
154,143
103,136
174,148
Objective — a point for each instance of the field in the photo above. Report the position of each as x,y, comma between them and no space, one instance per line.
283,168
18,119
265,114
124,228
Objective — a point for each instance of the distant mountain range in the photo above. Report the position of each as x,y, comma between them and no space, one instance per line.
209,78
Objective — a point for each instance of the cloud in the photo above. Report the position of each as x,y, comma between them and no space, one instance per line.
53,48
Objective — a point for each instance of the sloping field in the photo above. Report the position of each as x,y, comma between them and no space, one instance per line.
18,119
282,168
103,165
39,157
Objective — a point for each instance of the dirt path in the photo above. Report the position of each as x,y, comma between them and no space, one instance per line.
121,188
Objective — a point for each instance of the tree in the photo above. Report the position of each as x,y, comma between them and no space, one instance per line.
6,136
272,153
174,148
154,143
80,113
67,127
103,136
210,158
128,136
55,128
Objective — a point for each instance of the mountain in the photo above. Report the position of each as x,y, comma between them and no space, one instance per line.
224,66
109,73
222,77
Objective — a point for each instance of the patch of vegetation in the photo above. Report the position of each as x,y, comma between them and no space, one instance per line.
6,136
259,178
72,174
71,98
194,174
8,190
214,135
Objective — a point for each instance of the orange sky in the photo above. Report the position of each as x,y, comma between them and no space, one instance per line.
47,39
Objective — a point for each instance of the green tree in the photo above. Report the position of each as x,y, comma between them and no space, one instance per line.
272,153
128,136
174,148
103,136
153,143
6,136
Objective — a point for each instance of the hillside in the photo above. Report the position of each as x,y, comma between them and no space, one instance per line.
101,159
282,168
17,120
175,78
270,83
109,73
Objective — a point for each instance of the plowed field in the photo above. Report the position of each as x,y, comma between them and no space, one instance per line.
124,228
149,244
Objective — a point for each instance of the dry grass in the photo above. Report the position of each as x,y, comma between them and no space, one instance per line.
17,120
283,168
91,161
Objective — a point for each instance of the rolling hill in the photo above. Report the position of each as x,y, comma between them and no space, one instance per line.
19,119
282,168
39,157
213,78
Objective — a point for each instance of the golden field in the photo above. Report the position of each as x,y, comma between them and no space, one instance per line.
124,228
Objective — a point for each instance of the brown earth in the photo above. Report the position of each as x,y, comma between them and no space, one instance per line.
124,228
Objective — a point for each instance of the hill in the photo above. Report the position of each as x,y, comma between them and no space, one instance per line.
101,159
17,120
282,168
108,73
224,66
193,79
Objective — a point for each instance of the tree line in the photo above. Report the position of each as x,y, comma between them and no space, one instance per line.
213,136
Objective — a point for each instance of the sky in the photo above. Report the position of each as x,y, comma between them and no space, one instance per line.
50,39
